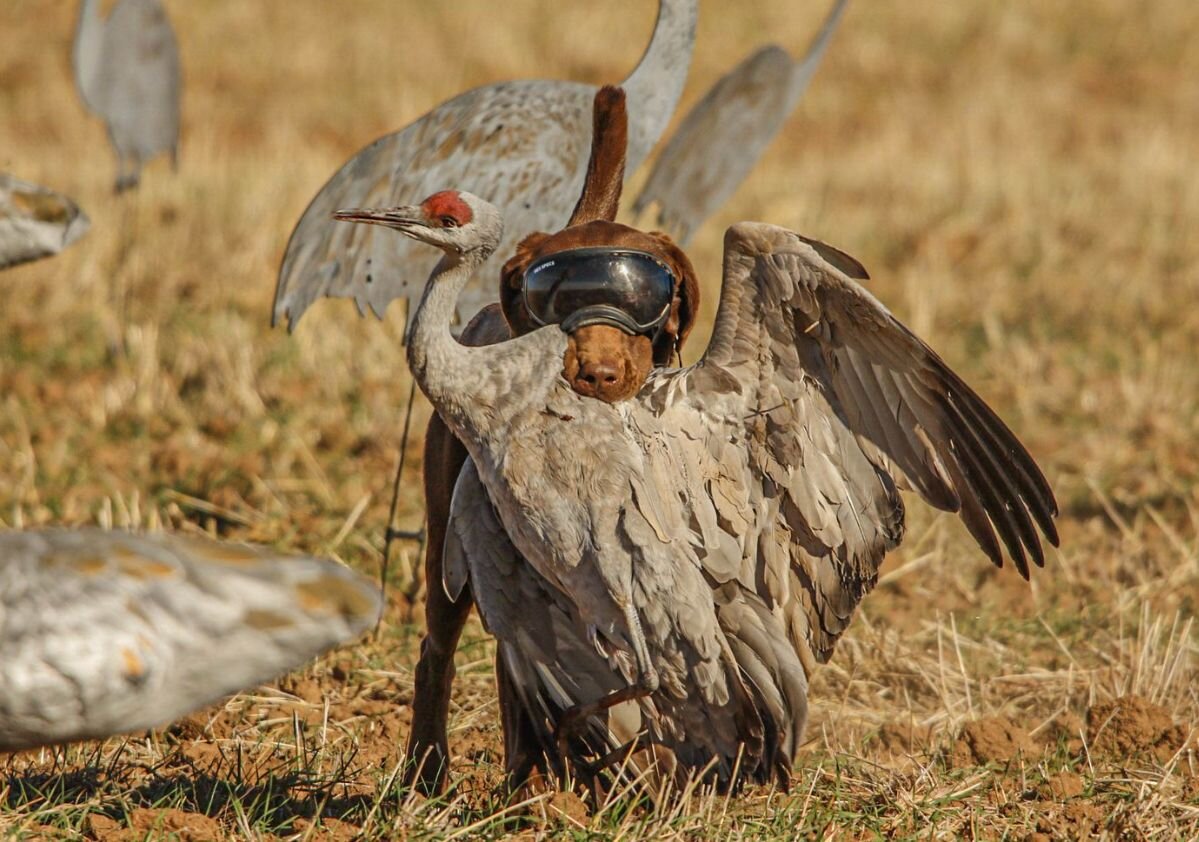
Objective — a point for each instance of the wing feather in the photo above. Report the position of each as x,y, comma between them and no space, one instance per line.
835,405
895,391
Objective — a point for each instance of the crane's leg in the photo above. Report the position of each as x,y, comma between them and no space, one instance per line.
122,182
129,164
128,177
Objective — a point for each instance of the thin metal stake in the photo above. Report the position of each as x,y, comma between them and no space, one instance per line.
392,533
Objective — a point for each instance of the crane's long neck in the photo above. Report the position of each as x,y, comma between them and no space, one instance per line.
465,384
477,390
86,52
433,354
655,85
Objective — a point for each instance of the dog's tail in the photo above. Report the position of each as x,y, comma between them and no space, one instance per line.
605,169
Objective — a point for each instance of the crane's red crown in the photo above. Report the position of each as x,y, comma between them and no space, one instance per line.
448,205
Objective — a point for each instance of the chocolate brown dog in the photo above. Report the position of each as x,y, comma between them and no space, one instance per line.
602,362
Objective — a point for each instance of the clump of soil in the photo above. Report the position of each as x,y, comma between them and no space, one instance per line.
1131,726
1062,786
568,807
1066,729
1076,820
902,743
992,739
185,827
902,738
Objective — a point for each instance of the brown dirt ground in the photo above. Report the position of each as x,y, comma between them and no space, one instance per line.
1017,176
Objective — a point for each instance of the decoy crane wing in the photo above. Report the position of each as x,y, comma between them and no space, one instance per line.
726,133
35,221
106,632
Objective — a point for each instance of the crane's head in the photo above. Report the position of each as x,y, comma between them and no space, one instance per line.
456,222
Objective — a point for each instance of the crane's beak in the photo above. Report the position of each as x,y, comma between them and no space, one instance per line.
407,219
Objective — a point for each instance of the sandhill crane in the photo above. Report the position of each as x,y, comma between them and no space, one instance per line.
533,175
35,221
127,72
107,632
689,568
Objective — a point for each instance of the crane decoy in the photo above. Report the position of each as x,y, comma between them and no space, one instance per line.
103,633
605,363
689,568
523,145
127,72
35,221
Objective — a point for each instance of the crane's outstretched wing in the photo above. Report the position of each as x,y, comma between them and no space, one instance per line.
35,221
521,146
725,134
106,632
811,406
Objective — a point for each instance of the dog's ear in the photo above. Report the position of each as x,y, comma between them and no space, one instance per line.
512,277
685,308
688,297
605,167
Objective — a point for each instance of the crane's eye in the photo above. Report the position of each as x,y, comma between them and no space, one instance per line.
449,222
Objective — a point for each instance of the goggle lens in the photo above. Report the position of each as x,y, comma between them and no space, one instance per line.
630,289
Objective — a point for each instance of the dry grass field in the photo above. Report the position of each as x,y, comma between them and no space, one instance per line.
1022,180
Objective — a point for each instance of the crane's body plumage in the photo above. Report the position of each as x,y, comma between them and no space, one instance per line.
521,145
107,632
127,71
35,221
711,538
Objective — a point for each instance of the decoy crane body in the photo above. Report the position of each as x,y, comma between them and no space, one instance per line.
35,221
127,72
603,362
715,544
107,632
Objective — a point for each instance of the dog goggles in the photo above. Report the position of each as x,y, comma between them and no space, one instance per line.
630,290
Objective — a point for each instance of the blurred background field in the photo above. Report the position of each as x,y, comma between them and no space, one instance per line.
1022,181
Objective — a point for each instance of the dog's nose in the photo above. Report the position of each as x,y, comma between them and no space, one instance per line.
595,377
